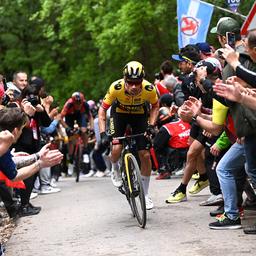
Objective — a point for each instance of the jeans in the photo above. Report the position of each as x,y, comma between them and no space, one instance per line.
231,165
45,176
250,149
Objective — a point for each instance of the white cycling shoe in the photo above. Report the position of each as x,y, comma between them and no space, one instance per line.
116,178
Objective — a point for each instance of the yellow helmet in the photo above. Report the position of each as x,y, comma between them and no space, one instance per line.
134,72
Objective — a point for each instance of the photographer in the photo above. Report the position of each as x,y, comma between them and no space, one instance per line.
29,140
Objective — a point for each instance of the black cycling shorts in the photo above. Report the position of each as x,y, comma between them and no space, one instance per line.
196,132
138,123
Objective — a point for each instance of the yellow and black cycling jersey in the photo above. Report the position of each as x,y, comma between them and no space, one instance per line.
126,103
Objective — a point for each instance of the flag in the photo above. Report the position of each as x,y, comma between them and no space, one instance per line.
194,18
233,4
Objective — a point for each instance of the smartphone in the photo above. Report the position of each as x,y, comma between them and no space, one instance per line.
231,39
220,54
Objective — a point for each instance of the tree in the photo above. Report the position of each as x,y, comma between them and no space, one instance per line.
82,45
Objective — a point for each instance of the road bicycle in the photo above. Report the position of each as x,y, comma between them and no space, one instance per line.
130,172
77,153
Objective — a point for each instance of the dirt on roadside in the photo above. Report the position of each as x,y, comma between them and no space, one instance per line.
7,226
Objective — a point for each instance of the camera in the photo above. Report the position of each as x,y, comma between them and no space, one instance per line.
34,100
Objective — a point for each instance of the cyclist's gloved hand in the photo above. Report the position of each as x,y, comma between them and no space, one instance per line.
105,139
69,131
150,131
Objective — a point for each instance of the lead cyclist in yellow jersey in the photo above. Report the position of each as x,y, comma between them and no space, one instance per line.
133,102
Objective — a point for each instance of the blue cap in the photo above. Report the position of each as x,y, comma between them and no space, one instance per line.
204,48
177,57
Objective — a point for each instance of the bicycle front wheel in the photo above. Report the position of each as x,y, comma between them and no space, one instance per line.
137,196
78,161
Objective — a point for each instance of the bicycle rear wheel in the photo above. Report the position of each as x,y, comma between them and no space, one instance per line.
137,197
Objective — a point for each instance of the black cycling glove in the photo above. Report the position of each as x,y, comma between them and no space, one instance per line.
150,131
105,139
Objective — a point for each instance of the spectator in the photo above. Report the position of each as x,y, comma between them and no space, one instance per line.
171,142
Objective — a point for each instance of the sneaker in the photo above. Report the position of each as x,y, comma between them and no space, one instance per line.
89,174
196,176
226,223
13,210
49,190
213,200
251,230
107,173
218,211
27,210
53,183
33,195
179,172
198,186
241,214
99,174
149,203
70,169
39,208
163,176
176,197
116,178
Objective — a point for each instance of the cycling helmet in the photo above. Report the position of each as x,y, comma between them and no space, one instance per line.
77,97
134,72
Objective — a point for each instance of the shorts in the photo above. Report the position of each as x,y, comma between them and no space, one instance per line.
138,123
79,117
196,132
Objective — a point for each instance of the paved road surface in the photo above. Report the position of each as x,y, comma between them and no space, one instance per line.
92,218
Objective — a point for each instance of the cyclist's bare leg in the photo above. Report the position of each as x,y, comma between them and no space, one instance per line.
115,153
145,161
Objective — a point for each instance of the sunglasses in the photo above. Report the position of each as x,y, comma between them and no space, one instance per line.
133,82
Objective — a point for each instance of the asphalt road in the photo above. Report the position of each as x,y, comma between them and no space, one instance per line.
92,218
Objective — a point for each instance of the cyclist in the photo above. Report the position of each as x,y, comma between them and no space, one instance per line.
76,110
134,102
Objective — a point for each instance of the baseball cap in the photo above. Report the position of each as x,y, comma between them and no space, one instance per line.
226,24
212,65
189,53
204,48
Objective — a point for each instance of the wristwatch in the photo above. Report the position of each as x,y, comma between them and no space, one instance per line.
194,118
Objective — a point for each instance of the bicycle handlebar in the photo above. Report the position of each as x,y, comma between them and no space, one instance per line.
128,136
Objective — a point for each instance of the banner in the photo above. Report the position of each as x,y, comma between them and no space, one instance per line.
233,4
193,21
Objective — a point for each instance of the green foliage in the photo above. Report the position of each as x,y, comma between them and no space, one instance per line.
83,44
